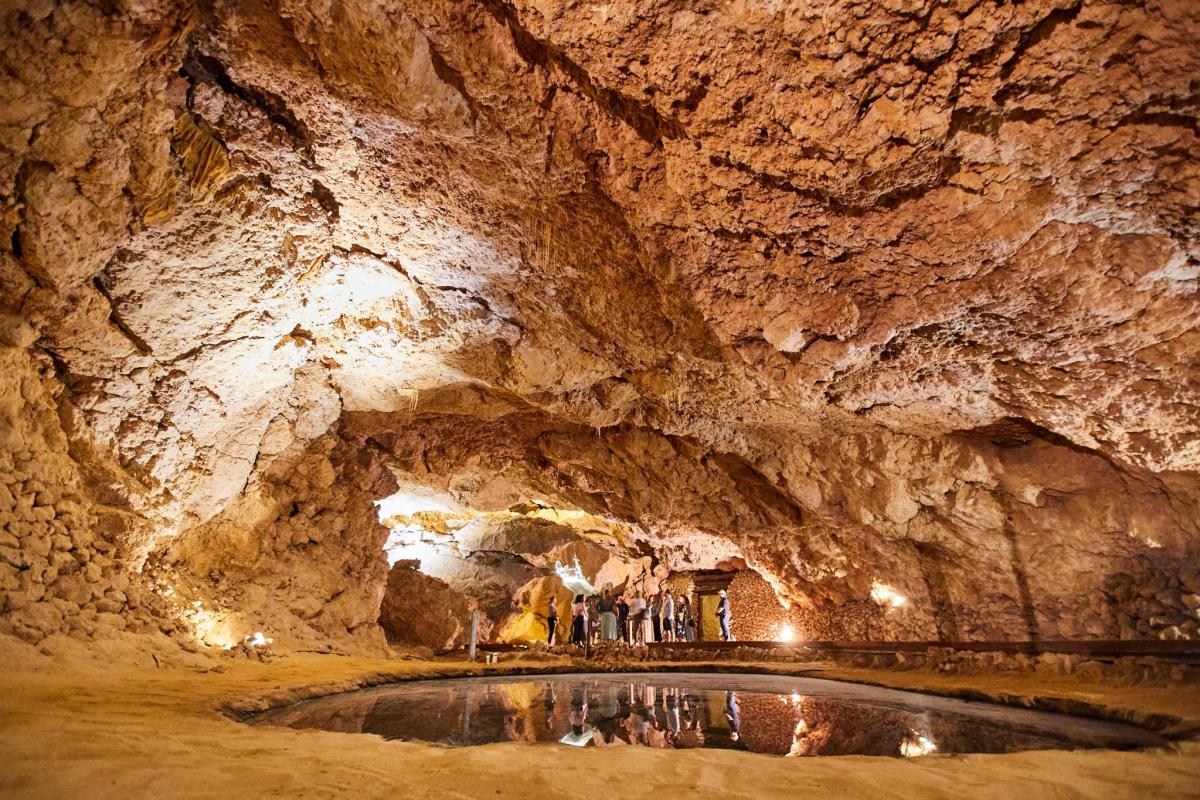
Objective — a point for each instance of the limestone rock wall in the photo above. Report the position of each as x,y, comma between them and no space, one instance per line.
299,557
855,293
1011,532
758,614
999,533
61,572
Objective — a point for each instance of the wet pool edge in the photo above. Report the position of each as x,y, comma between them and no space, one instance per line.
1171,728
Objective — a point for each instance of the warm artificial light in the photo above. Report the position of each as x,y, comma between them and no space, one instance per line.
887,596
917,744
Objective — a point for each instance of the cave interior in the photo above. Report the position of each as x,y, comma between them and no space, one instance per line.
330,327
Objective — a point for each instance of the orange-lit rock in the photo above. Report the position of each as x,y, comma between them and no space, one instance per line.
849,294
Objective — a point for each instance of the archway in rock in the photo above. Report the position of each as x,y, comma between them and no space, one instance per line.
504,565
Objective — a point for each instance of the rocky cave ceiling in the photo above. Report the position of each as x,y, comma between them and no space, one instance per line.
855,288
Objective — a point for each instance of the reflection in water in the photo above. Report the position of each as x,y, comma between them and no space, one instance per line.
731,715
916,745
580,734
761,714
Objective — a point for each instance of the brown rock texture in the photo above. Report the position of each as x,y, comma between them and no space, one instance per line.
421,610
299,555
859,293
60,573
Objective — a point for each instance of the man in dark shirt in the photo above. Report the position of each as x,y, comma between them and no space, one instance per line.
552,619
623,618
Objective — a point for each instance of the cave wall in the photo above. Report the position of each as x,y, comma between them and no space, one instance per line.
1014,532
995,534
300,556
757,281
419,609
758,614
61,572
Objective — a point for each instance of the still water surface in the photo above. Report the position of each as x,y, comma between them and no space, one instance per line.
758,713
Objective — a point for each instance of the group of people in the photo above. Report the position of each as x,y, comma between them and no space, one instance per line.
647,715
660,617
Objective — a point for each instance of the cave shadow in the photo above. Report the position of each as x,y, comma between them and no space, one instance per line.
929,559
1028,611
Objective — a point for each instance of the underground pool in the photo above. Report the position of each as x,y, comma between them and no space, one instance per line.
785,716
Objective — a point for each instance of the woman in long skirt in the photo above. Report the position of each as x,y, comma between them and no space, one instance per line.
608,617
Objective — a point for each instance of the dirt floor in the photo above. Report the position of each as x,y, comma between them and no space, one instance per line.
123,727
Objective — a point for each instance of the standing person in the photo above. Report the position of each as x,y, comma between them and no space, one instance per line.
623,618
668,617
608,617
637,615
673,725
655,613
581,732
733,715
552,619
724,616
593,620
579,622
683,619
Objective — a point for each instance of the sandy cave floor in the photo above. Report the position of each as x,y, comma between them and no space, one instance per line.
126,730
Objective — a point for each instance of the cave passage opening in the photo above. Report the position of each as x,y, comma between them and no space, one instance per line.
448,560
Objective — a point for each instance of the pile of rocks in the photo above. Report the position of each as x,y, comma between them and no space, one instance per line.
1154,604
757,613
58,575
253,648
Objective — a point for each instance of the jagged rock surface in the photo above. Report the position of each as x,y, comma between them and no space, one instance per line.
300,554
422,610
856,292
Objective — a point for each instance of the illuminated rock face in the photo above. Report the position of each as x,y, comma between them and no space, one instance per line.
506,568
59,571
300,554
418,609
899,295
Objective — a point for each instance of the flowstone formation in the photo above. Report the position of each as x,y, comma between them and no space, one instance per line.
884,300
